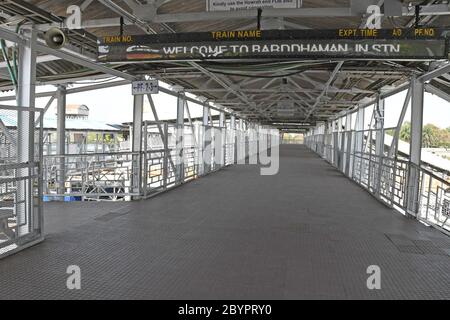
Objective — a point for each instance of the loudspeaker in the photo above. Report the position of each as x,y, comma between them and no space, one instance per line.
55,38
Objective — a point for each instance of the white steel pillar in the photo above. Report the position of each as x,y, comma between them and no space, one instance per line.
348,144
222,150
417,96
136,146
25,133
379,127
179,174
207,140
241,143
379,142
359,127
335,140
233,138
341,139
61,138
394,145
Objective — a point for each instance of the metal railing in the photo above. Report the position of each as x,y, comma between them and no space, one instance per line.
21,216
434,199
97,176
161,165
386,178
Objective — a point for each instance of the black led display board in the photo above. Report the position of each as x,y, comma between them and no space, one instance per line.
391,44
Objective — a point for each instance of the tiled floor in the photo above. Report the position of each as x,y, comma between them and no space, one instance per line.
305,233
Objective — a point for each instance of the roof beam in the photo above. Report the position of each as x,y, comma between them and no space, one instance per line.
83,62
436,91
224,83
261,91
324,91
431,10
251,14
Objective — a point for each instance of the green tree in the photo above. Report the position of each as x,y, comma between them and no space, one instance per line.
430,136
405,132
444,138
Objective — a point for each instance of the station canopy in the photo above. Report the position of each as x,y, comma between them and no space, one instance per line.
308,64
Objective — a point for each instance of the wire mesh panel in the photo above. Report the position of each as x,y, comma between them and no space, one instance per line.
155,158
97,176
434,198
87,141
387,177
230,146
171,149
400,180
241,146
20,178
208,149
190,153
217,148
252,145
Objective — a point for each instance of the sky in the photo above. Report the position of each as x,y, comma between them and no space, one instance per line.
436,110
115,105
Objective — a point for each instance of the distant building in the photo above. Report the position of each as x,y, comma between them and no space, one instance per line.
77,111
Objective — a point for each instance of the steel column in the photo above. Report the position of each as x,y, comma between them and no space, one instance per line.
25,132
417,96
335,143
348,145
61,138
379,141
223,137
207,155
136,146
394,145
241,143
233,137
179,162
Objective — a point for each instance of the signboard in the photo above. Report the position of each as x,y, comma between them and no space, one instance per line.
233,5
145,87
391,44
286,108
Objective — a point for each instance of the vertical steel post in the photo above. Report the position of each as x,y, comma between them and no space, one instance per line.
359,126
61,139
166,155
223,137
180,139
136,147
379,143
394,145
233,137
145,159
341,145
25,132
207,156
243,141
417,97
348,144
335,143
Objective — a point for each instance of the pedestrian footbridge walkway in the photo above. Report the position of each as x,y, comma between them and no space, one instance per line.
308,232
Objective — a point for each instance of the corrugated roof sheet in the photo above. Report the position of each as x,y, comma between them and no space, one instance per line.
71,124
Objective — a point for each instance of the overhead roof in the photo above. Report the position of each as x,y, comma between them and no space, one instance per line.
234,85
